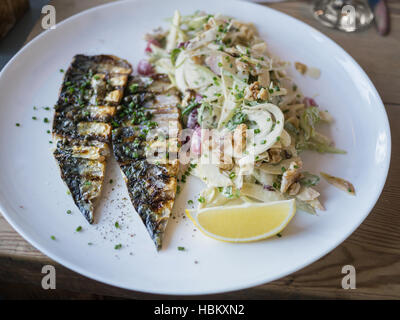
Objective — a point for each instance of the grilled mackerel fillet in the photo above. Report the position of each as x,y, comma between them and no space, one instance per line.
145,143
92,88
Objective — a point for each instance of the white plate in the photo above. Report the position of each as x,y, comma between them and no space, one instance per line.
29,176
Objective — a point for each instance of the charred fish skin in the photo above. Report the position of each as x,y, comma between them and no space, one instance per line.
145,147
82,169
92,88
152,192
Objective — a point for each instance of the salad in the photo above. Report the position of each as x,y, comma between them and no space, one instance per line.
249,121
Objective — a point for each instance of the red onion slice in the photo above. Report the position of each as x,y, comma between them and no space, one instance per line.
145,68
153,42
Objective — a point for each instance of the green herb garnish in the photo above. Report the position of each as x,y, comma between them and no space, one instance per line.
133,87
174,55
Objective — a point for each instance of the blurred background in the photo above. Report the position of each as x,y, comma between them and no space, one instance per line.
19,19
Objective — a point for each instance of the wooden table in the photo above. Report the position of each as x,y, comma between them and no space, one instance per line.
374,248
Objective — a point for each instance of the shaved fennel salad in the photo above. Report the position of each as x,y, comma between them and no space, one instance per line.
260,121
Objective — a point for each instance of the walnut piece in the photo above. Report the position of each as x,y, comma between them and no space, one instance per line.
274,155
300,67
252,91
239,139
291,175
263,94
294,189
189,95
198,59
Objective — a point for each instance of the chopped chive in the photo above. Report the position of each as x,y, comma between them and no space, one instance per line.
181,248
133,88
201,199
62,70
17,124
48,131
69,211
117,225
118,246
232,175
45,120
34,118
111,180
78,229
53,237
190,202
278,235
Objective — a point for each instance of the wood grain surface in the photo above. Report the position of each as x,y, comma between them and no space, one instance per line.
374,248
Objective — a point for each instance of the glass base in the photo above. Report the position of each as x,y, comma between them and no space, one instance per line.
345,15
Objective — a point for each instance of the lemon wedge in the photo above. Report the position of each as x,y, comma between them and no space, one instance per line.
245,222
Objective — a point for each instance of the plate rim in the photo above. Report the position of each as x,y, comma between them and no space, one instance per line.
250,283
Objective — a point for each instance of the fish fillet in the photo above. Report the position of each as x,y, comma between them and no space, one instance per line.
145,144
92,89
